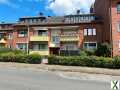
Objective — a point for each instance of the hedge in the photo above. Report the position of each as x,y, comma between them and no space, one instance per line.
90,61
20,58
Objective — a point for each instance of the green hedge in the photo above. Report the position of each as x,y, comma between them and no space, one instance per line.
20,58
90,61
8,50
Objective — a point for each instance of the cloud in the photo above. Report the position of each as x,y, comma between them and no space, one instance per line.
7,2
64,7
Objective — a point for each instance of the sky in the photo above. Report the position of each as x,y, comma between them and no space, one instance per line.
12,10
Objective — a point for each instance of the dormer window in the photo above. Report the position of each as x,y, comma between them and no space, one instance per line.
118,7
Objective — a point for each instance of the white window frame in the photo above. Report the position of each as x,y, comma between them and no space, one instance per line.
85,32
90,32
88,45
94,31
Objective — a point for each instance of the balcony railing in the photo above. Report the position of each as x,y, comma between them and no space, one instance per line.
39,52
39,38
69,38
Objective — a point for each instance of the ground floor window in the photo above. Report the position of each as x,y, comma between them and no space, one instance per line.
40,47
90,45
22,46
69,46
69,49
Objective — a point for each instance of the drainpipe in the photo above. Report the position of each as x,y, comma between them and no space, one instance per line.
111,38
28,38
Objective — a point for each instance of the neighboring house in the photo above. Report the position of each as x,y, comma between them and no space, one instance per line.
66,34
109,11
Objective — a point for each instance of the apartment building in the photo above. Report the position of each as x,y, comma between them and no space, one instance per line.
53,35
66,34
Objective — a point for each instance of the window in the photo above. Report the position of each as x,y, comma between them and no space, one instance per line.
42,46
10,36
94,31
85,32
118,7
22,33
22,46
118,26
1,36
55,39
89,31
42,33
90,45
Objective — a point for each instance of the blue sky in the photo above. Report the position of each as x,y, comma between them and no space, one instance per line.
11,10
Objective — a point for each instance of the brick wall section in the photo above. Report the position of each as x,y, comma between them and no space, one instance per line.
115,34
17,39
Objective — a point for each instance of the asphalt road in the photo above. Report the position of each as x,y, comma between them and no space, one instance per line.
17,79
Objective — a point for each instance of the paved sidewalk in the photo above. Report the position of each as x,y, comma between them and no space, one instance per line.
113,72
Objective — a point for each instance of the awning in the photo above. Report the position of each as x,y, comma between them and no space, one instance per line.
3,41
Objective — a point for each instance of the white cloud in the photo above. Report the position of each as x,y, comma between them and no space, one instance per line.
64,7
7,2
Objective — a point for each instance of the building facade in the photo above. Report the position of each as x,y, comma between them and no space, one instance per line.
109,11
66,34
53,35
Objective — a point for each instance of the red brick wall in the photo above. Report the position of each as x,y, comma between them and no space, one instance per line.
97,38
115,34
17,39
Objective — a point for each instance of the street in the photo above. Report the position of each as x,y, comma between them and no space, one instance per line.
21,79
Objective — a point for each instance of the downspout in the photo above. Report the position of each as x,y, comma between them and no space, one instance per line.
111,39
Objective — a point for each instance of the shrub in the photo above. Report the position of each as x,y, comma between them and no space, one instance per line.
20,58
104,50
8,50
83,53
90,61
116,62
90,52
8,57
33,59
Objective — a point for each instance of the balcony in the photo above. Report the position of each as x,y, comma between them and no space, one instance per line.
39,38
40,52
69,38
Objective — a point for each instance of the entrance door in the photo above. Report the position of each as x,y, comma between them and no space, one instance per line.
54,51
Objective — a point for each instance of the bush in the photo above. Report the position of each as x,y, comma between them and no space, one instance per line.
8,50
116,62
104,50
90,61
20,58
8,57
33,59
83,53
90,52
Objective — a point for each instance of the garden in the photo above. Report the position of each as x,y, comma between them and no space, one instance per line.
90,58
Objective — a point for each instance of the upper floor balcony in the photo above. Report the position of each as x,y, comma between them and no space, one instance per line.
69,38
39,38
